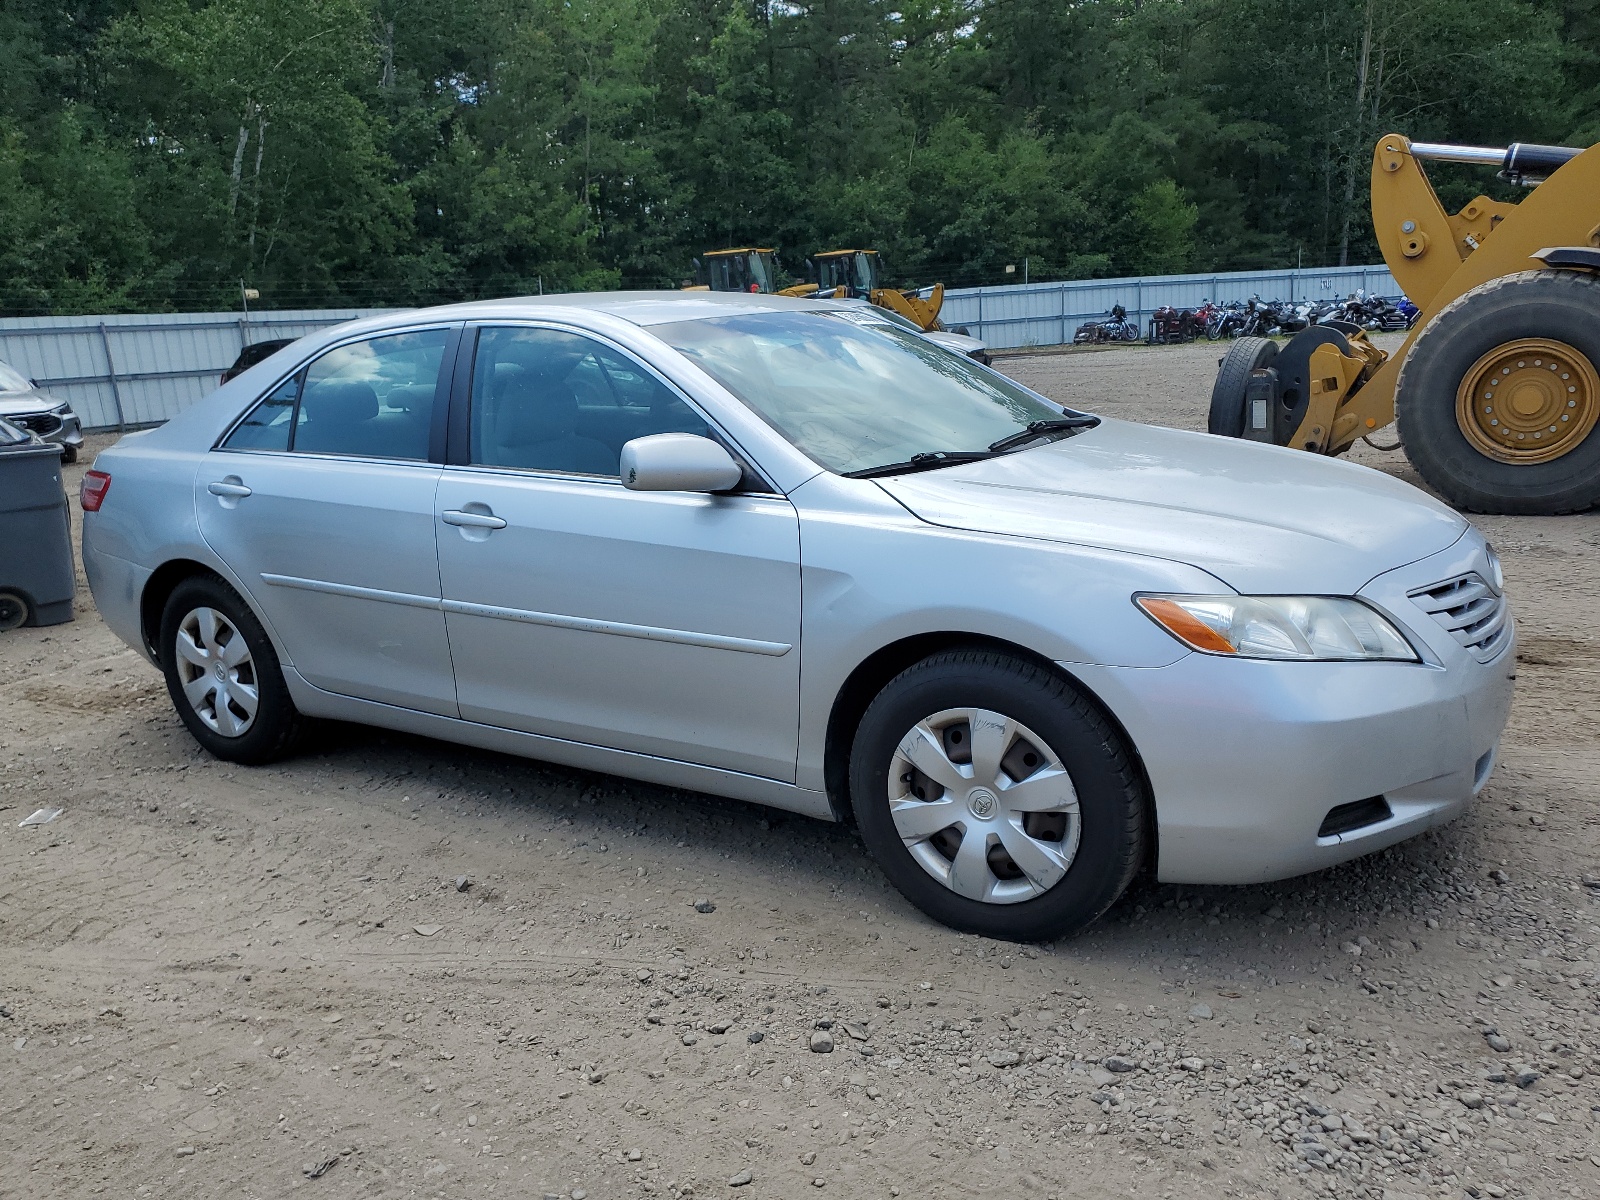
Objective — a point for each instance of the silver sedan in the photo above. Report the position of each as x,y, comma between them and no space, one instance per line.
742,545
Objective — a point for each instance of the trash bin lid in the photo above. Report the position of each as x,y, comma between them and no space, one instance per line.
12,435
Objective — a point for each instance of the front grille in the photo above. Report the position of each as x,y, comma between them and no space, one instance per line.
44,424
1470,610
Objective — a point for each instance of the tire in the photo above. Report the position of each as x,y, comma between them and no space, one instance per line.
220,717
1214,329
14,611
1245,356
69,455
1080,862
1560,307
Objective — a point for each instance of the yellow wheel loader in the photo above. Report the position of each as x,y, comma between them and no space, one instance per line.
857,275
1496,389
747,269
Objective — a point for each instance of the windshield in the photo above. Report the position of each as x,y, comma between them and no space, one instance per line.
10,381
854,397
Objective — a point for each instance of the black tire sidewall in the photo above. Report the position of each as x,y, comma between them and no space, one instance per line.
1109,831
277,719
1558,306
1226,417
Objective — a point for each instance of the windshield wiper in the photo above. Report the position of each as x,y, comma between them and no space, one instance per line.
1039,429
926,461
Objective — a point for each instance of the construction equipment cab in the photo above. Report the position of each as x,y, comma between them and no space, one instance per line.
747,269
1496,389
858,275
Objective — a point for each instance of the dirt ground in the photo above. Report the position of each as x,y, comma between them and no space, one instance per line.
218,981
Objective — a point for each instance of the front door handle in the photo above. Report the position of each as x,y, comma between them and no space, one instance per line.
472,520
231,487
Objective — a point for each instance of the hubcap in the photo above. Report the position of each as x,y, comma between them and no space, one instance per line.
217,672
984,805
1529,401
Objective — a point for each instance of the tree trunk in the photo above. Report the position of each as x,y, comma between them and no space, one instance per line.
1357,138
386,56
237,174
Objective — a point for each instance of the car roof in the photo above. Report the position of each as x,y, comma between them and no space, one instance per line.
638,308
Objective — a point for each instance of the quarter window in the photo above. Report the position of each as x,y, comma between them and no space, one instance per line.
547,400
371,399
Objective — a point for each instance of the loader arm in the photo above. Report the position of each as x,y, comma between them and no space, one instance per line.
1437,256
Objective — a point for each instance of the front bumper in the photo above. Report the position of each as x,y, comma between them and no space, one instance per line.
1246,759
60,427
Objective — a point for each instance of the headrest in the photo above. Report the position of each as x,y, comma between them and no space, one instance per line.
339,403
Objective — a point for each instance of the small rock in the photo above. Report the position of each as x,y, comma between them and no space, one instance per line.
427,930
579,1194
705,906
858,1032
718,1027
1526,1077
316,1170
1004,1058
809,1157
822,1042
1471,1099
643,976
462,883
635,1155
1201,1012
754,1036
819,1181
742,1178
1499,876
825,1023
1191,1064
1118,1064
690,1038
1498,1043
185,1151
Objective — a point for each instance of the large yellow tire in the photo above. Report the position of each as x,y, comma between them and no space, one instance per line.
1498,400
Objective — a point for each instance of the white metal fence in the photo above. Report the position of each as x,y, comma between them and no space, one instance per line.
1046,314
121,372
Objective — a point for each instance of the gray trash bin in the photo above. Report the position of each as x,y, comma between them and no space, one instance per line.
36,570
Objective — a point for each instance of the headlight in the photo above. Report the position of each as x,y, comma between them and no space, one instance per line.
1293,628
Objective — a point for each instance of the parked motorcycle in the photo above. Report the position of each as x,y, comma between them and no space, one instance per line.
1115,327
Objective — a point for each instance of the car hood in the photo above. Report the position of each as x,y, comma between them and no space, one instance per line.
31,401
1260,518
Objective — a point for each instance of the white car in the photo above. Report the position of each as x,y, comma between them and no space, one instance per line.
735,544
26,405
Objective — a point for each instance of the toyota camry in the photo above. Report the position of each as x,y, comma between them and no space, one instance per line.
746,546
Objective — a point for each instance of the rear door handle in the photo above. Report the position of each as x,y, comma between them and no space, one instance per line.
472,520
228,487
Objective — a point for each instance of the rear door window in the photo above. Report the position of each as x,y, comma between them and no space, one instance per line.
368,399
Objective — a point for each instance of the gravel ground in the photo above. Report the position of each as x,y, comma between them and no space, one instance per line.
392,967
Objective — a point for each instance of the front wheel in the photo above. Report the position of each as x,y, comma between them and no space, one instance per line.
1499,398
223,674
996,798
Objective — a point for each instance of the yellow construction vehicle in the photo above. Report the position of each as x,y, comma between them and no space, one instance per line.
857,275
1496,388
747,269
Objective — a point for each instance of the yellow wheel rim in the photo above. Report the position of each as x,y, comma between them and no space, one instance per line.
1529,401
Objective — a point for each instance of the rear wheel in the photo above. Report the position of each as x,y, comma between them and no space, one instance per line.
1498,400
1245,357
996,798
13,611
223,674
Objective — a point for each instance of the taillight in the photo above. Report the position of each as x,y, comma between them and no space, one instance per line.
93,492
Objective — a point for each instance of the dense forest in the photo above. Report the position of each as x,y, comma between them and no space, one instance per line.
154,154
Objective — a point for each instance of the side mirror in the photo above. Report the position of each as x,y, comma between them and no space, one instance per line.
678,462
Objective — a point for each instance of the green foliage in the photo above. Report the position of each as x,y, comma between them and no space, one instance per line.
159,153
